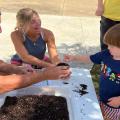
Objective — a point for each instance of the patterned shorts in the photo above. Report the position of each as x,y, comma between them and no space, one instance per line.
110,113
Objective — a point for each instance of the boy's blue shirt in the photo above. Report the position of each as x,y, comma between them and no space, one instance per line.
110,75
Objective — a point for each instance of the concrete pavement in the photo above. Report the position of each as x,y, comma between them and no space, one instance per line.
53,7
74,35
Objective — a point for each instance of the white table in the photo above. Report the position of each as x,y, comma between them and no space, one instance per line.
84,107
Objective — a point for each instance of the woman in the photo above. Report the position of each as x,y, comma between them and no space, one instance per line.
13,77
30,41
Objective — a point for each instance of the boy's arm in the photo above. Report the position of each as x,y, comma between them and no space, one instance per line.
100,8
82,58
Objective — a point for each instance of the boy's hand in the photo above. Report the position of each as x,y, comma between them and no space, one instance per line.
114,102
68,58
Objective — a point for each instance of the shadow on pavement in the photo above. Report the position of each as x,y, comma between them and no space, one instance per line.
76,49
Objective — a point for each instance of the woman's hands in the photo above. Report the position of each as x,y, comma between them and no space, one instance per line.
45,64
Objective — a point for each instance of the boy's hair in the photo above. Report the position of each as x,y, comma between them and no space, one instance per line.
112,36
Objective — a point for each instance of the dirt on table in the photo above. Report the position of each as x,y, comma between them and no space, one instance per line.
55,7
34,107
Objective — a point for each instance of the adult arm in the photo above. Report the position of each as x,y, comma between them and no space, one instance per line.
7,69
100,8
12,82
17,39
52,50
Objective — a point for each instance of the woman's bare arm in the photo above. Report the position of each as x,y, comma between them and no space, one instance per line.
52,50
17,40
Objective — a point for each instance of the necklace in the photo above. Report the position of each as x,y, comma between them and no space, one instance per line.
34,44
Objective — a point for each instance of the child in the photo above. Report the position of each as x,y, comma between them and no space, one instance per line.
110,73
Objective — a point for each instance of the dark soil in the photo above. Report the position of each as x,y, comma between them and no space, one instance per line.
63,64
34,107
81,89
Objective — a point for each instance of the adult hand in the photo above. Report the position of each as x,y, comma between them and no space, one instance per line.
27,67
99,11
114,102
9,69
45,64
20,70
54,73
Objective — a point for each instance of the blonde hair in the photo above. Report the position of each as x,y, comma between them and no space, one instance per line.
24,16
112,36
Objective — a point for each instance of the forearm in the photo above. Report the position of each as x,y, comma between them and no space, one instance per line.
52,50
35,61
7,68
82,58
100,3
55,59
12,82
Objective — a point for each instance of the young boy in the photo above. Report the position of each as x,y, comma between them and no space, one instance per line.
109,92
